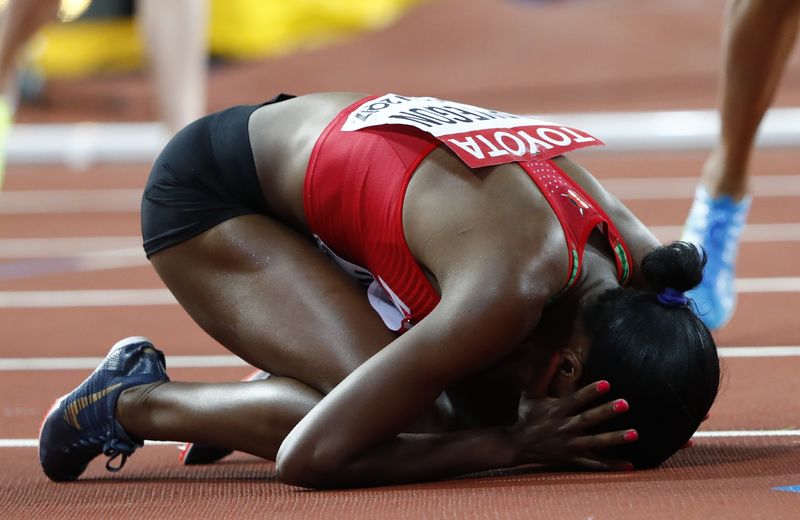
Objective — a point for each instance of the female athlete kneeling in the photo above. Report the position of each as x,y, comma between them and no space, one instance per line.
524,315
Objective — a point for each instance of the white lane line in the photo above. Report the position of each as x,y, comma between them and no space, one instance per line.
753,233
109,260
767,285
656,188
34,443
711,434
142,297
58,255
81,144
89,363
674,130
758,352
36,202
86,298
89,262
131,246
83,363
70,246
19,443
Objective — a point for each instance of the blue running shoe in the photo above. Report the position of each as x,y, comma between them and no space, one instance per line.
81,425
716,225
193,453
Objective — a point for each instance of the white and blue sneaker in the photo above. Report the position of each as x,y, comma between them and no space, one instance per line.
82,425
716,225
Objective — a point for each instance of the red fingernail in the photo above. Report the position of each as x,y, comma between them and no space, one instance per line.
631,435
689,444
603,387
621,406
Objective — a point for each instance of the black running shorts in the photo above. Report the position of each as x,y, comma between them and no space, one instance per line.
204,176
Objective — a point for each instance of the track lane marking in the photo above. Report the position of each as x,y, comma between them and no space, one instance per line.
709,434
219,361
149,297
82,144
131,246
128,200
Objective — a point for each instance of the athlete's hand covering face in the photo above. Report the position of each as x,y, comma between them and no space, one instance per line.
553,430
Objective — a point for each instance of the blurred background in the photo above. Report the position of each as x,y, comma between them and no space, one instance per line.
519,55
526,56
642,75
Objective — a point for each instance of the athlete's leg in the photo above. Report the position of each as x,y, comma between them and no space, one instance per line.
268,295
253,417
271,297
129,397
758,38
192,453
19,21
175,37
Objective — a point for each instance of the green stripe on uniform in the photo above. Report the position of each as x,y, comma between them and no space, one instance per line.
623,261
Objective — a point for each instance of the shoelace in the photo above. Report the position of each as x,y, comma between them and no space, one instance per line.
114,449
113,455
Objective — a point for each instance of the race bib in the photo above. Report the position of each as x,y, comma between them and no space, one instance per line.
479,136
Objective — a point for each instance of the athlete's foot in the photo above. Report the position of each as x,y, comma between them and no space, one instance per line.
82,425
716,224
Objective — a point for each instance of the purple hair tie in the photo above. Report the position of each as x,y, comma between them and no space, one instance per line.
672,298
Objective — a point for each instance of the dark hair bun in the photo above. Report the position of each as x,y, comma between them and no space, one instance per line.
678,266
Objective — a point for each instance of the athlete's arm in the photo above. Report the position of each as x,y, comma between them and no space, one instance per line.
495,272
488,306
351,437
